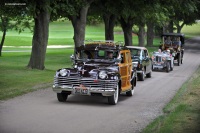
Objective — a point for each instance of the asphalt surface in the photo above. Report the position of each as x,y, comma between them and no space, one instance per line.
40,112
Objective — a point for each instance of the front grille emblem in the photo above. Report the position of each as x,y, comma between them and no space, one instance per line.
83,71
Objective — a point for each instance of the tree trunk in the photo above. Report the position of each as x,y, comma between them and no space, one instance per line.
141,36
171,27
40,40
127,29
79,23
109,21
2,41
179,27
4,21
150,33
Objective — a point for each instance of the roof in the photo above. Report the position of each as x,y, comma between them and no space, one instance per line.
104,45
173,34
136,47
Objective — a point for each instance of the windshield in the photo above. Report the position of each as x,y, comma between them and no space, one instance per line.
97,54
135,53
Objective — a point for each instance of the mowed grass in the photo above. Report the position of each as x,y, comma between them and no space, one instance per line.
61,33
17,79
182,114
191,31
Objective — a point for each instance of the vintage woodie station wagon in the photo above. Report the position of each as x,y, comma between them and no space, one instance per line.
99,68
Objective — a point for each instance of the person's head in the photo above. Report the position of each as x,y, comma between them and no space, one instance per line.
138,53
110,54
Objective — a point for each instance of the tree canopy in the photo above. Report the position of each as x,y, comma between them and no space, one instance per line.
140,13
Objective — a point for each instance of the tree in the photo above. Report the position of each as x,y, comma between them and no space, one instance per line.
185,14
76,11
41,10
99,10
180,13
12,17
4,27
155,17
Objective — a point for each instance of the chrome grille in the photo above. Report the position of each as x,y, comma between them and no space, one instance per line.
158,59
87,82
66,81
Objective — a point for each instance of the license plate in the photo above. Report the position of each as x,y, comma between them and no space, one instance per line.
81,90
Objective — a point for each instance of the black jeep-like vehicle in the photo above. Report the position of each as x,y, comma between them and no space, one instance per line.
175,43
100,68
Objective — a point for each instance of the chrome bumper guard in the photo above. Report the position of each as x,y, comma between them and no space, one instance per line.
90,90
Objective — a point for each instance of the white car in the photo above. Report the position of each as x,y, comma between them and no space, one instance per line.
162,61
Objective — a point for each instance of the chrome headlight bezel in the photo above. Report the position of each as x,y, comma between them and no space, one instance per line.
63,72
103,74
135,64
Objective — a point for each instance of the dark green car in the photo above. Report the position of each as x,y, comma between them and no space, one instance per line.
142,61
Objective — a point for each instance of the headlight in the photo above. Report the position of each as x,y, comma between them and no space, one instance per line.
102,74
135,64
75,66
63,72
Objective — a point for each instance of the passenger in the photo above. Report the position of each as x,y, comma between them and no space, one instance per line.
87,55
177,41
168,40
138,53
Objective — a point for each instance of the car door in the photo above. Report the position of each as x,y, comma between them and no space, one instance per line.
125,68
147,61
143,58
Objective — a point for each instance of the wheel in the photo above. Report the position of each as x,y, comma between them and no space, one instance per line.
148,75
182,57
62,97
112,100
141,76
131,92
171,67
179,59
168,67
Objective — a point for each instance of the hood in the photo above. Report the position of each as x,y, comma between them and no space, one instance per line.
88,69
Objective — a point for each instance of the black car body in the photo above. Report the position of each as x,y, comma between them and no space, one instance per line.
141,61
95,73
175,43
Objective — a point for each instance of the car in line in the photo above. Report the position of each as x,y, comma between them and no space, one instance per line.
141,61
99,68
162,61
175,43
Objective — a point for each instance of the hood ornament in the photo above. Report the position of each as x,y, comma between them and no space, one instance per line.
83,71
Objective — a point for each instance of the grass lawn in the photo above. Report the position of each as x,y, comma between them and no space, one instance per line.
182,114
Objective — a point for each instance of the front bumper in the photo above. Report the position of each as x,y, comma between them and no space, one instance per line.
159,66
82,90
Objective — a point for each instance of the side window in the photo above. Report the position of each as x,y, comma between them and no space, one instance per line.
122,56
143,54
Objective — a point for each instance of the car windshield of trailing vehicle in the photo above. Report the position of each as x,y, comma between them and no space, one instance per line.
99,68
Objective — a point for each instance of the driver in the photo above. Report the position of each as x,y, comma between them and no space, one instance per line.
110,54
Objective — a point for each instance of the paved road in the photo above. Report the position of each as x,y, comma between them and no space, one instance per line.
40,112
